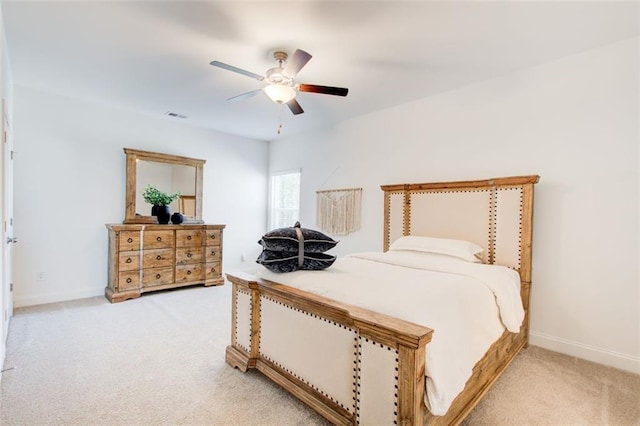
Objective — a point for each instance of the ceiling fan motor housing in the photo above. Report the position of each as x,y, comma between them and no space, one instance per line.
275,76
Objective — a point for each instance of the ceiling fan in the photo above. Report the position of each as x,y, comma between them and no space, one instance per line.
282,88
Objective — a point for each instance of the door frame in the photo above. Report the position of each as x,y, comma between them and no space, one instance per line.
7,220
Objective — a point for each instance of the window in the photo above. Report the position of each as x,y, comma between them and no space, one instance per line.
285,199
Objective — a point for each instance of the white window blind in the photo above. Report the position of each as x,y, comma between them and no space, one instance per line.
285,199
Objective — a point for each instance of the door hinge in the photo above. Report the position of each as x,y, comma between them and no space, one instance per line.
13,154
11,287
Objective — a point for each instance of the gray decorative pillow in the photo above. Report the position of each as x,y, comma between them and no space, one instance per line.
286,240
276,261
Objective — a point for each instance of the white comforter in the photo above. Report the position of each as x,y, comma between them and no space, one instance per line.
468,305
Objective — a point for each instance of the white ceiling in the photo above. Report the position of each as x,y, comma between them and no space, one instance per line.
153,57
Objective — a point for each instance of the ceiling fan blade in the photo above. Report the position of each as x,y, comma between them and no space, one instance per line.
296,62
244,96
236,69
327,90
295,107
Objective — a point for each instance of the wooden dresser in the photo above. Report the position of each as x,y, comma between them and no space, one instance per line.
145,258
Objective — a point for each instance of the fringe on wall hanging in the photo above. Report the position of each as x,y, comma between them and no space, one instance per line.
338,210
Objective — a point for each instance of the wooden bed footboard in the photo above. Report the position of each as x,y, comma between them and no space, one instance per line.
365,367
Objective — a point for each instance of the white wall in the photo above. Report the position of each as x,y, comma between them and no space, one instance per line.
575,123
70,182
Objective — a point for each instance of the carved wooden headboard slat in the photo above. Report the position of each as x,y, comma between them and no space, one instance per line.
494,213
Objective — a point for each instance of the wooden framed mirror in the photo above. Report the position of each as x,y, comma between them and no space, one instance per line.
168,173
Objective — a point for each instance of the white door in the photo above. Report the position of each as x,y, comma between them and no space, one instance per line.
8,239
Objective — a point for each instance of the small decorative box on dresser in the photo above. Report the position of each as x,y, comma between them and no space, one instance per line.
146,258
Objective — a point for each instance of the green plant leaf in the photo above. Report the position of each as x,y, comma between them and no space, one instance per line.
154,196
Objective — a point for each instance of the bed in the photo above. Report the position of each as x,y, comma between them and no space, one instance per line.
327,338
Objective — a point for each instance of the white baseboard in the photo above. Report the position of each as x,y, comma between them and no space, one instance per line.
20,302
590,353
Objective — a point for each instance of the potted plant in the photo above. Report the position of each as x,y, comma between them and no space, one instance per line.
160,202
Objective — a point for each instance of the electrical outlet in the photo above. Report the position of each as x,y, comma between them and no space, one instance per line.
40,276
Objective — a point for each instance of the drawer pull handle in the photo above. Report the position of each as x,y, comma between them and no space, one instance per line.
213,252
158,257
129,280
159,239
213,236
128,260
189,255
129,240
189,237
188,272
213,270
158,276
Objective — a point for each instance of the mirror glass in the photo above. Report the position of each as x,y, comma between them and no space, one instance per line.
169,174
168,178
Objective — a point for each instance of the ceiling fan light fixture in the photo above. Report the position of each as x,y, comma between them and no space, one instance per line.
279,93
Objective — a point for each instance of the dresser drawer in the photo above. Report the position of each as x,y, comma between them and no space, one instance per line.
157,258
128,280
189,238
157,276
212,254
129,240
214,237
129,260
186,273
157,239
213,270
187,255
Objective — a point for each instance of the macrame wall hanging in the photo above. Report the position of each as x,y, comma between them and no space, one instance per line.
338,210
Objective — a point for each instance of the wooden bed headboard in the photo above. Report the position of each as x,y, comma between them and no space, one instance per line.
496,214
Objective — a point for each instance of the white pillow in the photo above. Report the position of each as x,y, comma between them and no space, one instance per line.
458,248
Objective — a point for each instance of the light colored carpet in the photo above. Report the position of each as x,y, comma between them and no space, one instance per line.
159,360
